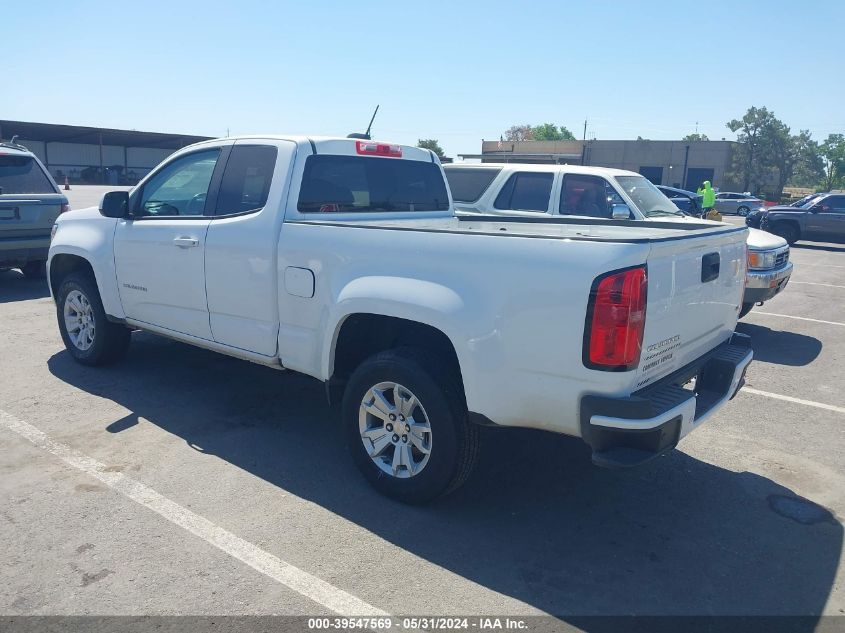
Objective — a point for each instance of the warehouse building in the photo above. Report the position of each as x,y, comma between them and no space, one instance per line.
683,164
95,155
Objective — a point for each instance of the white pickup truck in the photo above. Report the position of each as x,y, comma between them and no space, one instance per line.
342,259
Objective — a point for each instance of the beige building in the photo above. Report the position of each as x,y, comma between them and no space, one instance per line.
684,164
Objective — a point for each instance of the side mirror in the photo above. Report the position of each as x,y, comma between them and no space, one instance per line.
115,204
620,212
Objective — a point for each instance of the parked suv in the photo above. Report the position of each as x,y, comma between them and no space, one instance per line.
820,219
30,202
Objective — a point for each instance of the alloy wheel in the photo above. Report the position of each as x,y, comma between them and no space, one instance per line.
395,430
79,320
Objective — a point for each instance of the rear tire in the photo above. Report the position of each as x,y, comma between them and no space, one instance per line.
431,415
746,308
88,335
35,270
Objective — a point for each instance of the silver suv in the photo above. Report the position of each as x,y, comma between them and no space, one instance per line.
30,202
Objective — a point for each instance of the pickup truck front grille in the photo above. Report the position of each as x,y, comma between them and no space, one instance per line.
782,258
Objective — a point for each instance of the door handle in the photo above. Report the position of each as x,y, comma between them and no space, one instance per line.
186,242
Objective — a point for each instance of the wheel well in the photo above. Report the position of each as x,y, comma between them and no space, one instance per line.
791,223
63,265
363,335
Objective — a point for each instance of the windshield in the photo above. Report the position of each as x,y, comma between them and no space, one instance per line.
806,203
649,199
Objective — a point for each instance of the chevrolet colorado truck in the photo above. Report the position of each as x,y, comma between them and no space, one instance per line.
342,259
566,190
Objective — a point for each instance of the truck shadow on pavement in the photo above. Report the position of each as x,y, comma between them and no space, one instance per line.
536,521
780,347
15,287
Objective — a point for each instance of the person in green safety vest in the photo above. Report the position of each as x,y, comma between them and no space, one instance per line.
708,197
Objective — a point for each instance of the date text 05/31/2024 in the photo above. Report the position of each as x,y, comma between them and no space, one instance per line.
415,623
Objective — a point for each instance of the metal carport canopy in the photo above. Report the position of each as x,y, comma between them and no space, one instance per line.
55,133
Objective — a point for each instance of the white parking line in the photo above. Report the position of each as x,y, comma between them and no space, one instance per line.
809,403
302,582
789,316
813,283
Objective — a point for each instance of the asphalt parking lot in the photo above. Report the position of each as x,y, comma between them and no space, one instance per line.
184,482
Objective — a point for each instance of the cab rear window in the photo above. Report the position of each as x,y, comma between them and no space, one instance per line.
21,174
352,184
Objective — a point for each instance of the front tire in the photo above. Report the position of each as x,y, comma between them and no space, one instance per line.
407,427
743,211
786,231
87,334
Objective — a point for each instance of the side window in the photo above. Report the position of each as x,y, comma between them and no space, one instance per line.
526,191
246,179
587,195
180,188
835,204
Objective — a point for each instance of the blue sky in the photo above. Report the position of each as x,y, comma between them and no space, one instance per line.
455,71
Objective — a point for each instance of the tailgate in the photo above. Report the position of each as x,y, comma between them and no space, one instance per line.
29,214
695,288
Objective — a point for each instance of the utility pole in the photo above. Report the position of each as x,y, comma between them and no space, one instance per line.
585,129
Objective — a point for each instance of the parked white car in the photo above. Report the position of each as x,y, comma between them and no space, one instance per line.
519,189
342,259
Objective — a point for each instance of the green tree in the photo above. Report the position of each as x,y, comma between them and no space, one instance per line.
809,166
753,132
695,137
833,157
551,132
432,144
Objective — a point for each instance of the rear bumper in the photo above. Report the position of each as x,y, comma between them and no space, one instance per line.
763,285
631,430
19,250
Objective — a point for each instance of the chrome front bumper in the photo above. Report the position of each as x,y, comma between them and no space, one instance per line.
762,285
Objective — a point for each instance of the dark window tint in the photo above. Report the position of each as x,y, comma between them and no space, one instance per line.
246,180
21,174
834,204
587,195
468,185
337,184
526,191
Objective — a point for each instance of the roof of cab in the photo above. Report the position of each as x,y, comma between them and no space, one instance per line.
9,148
576,169
416,153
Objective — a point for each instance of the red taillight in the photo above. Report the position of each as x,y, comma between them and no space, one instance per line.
616,320
64,208
372,148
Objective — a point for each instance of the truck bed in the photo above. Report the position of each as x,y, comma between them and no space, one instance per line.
563,228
